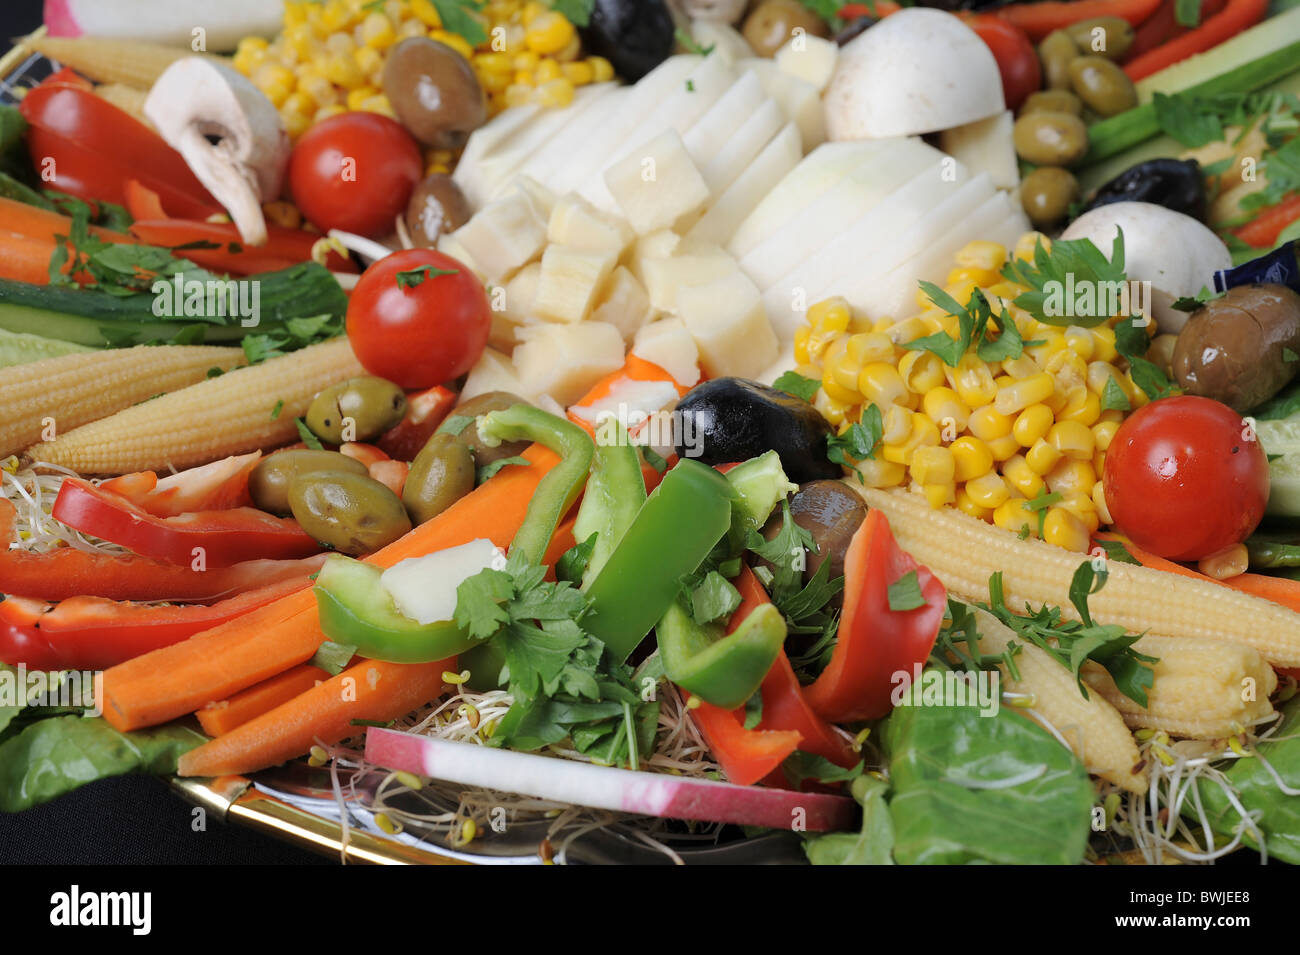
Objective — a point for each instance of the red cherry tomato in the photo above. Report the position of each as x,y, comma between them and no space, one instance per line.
414,326
1017,60
1185,478
355,172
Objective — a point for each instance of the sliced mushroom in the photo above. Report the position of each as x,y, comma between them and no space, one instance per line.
228,132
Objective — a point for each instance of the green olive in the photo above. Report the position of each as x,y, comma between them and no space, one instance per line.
1050,139
441,474
1102,85
773,22
1110,37
352,513
1052,101
269,483
1046,193
1057,51
468,435
356,410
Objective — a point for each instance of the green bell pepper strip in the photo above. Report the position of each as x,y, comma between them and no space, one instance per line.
561,486
674,530
614,495
722,670
356,611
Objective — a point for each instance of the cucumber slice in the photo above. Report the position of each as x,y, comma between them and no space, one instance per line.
18,348
1284,486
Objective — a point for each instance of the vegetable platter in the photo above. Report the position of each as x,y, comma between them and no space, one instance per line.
615,432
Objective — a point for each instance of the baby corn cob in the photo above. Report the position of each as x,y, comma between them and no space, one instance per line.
964,551
1204,689
1094,728
106,60
241,411
72,390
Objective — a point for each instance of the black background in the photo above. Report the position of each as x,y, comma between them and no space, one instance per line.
131,819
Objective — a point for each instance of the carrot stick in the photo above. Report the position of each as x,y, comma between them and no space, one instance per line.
218,663
1235,17
35,223
368,690
217,719
1280,590
25,259
1040,19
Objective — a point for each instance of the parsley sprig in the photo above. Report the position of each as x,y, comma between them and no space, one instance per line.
1076,262
973,321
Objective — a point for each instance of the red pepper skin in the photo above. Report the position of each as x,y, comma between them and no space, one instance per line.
226,536
1040,19
92,633
1236,16
746,756
283,247
1263,230
876,643
425,413
210,487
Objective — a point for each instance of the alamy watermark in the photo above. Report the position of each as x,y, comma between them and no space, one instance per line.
1096,299
933,687
179,297
67,688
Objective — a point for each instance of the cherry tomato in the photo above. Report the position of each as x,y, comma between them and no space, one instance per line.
1185,478
355,172
418,318
1017,59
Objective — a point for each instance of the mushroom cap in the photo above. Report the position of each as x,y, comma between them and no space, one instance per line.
917,71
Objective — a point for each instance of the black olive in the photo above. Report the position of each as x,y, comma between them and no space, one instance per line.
732,419
634,35
1173,183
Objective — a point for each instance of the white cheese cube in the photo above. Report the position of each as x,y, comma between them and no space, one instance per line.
669,345
564,361
657,184
575,222
570,281
730,327
504,236
624,304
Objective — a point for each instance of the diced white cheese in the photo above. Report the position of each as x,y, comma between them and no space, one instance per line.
570,281
494,372
657,184
575,222
564,361
665,278
624,304
730,327
809,58
505,236
669,345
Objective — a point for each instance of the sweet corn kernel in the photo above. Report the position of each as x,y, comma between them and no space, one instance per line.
989,424
298,103
1022,477
1083,406
1052,344
1022,367
936,321
802,334
283,214
518,94
1082,507
1099,500
494,82
1012,516
833,411
1023,393
908,330
1080,341
1099,462
336,15
877,472
1071,475
1099,372
276,81
427,14
601,68
982,254
1068,370
921,371
455,41
340,44
410,28
1042,457
531,11
377,31
830,315
1032,424
946,410
836,392
972,381
526,61
939,494
570,51
326,112
988,491
525,79
546,71
579,74
549,33
934,466
1103,433
881,383
1103,337
923,434
1004,447
341,69
1026,244
971,457
1063,529
966,503
897,424
1072,439
971,276
866,347
296,121
358,96
369,60
379,104
844,371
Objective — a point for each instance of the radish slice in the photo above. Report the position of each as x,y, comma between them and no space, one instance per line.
604,787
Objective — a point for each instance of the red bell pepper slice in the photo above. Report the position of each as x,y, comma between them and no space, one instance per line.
68,572
92,633
1236,16
142,202
1263,230
283,247
425,412
876,643
1163,26
67,76
211,487
1040,19
746,756
224,537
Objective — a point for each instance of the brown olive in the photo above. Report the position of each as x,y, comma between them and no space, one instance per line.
441,474
1110,37
1057,51
356,410
1050,139
437,206
434,92
1052,101
352,513
831,513
772,23
1234,348
1102,85
1047,193
268,485
468,433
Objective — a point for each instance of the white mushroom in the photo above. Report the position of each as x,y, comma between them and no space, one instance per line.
229,133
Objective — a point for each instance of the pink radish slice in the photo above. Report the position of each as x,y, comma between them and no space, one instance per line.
603,787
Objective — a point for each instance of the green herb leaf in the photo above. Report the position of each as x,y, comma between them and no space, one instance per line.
488,470
754,710
1132,343
1288,355
905,593
873,845
1187,13
307,437
577,12
797,385
687,43
275,412
859,442
411,278
1113,397
333,657
1116,551
1072,264
455,424
712,598
573,563
459,17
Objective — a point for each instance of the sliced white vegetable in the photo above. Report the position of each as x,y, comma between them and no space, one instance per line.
709,134
553,162
917,71
730,209
725,166
448,245
800,100
809,58
424,588
669,345
986,146
1177,254
605,787
483,142
657,183
564,361
784,362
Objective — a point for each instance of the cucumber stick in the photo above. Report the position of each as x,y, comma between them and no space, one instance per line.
1114,135
91,332
18,349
